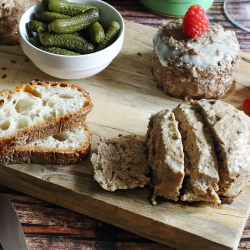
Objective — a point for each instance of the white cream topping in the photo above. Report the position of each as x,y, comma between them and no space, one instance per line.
222,45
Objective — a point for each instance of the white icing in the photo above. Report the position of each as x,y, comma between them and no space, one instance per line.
221,46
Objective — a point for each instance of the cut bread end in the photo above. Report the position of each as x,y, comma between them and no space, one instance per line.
40,109
63,148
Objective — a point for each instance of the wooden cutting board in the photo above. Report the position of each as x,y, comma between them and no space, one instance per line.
124,96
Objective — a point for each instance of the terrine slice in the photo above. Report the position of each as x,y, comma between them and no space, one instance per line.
165,155
201,165
231,132
120,163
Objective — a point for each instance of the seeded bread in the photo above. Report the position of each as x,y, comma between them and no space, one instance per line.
165,155
231,132
63,148
39,110
201,165
120,163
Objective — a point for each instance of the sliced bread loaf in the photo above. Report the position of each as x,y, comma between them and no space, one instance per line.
40,109
120,163
165,155
231,132
63,148
201,165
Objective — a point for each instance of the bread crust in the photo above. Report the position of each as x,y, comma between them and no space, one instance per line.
46,155
46,128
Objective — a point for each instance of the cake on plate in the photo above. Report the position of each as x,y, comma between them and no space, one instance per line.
193,68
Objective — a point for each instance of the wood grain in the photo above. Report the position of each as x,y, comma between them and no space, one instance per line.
125,95
48,226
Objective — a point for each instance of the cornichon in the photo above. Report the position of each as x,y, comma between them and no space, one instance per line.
112,30
35,41
46,2
67,41
37,26
68,8
96,33
48,17
59,51
75,23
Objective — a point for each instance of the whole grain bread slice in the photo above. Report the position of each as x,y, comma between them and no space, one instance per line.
63,148
40,109
201,164
230,129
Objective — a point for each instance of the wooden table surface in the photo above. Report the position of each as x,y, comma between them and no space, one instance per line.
47,226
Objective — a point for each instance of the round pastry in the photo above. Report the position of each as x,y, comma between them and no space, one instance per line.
201,67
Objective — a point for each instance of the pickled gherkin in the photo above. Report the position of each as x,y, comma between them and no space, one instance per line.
111,34
35,41
48,17
96,33
68,8
46,2
76,23
59,51
67,41
37,26
69,28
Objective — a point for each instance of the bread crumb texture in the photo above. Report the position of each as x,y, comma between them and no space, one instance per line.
63,148
40,109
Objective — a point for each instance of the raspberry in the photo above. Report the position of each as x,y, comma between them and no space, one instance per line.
195,22
246,104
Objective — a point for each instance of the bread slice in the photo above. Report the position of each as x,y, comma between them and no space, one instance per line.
40,109
165,155
231,132
63,148
120,163
201,165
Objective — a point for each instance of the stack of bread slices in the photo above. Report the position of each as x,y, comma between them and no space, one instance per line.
199,151
44,122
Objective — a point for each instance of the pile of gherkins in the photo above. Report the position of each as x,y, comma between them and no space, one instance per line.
68,28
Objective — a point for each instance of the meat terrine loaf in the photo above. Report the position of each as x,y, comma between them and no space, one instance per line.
202,67
120,163
63,148
165,155
231,132
201,165
41,109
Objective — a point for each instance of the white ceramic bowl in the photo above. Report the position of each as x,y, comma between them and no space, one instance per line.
72,67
